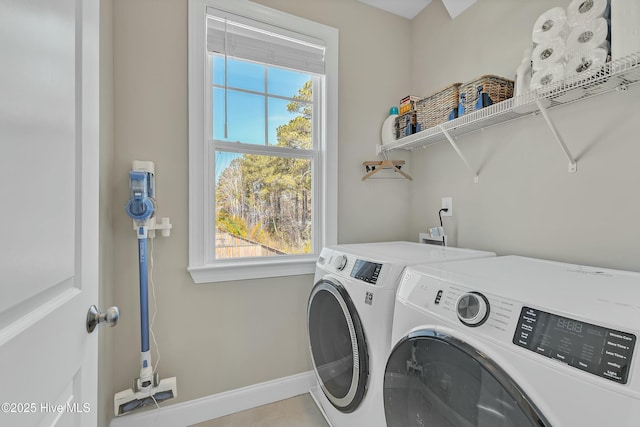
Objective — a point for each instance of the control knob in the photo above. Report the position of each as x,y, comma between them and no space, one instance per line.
340,263
472,309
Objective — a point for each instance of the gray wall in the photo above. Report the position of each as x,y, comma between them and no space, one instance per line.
374,74
526,202
222,336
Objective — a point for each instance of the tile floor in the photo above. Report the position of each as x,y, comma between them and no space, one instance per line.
299,411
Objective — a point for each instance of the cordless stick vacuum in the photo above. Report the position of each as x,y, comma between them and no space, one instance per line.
141,207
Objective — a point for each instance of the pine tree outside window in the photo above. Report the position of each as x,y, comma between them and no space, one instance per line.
263,202
265,144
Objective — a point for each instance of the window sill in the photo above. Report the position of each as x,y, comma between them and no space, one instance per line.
251,269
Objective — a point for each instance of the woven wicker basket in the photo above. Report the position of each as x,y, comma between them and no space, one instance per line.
405,121
498,89
435,109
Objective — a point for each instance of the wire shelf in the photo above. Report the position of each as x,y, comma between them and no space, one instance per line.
614,75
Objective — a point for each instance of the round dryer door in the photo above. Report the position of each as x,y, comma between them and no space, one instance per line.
433,379
338,345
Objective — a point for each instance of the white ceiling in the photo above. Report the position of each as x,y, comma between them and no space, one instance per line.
410,8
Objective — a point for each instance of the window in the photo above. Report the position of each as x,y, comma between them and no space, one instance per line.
262,141
263,202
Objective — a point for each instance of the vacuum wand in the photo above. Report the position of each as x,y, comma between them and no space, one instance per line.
148,389
144,302
144,294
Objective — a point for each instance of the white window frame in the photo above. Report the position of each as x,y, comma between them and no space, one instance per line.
202,266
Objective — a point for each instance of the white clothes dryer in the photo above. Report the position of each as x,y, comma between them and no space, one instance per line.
514,342
349,315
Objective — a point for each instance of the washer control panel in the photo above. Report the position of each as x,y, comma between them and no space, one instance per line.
460,306
595,349
472,308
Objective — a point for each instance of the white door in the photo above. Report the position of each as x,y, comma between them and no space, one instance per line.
48,211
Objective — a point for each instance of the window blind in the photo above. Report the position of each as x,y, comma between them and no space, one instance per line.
245,38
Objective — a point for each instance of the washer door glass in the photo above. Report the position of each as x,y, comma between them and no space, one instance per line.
338,345
435,380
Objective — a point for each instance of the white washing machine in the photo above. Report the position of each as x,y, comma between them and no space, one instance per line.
349,317
514,342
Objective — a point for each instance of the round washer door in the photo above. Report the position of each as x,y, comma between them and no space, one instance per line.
338,345
434,379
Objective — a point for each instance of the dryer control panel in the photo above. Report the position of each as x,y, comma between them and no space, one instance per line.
600,351
366,271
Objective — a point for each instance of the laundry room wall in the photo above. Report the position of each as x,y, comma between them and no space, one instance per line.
526,202
219,337
374,68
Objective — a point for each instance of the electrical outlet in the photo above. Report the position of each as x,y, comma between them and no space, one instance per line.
447,203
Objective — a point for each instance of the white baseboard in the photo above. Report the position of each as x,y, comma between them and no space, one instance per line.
219,405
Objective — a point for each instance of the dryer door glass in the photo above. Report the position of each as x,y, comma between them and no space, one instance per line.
433,379
338,346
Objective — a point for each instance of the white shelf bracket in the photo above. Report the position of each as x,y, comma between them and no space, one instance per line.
573,166
464,159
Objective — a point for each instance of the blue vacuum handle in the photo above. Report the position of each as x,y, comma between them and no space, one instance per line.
144,293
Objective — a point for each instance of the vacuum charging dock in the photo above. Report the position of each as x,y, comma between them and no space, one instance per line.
164,227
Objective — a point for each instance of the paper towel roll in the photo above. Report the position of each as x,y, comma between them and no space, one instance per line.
387,132
548,53
625,28
585,61
589,35
549,25
580,11
548,75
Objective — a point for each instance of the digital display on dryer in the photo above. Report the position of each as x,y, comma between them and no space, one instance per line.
600,351
366,271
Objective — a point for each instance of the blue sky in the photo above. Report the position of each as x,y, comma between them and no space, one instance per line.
246,111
